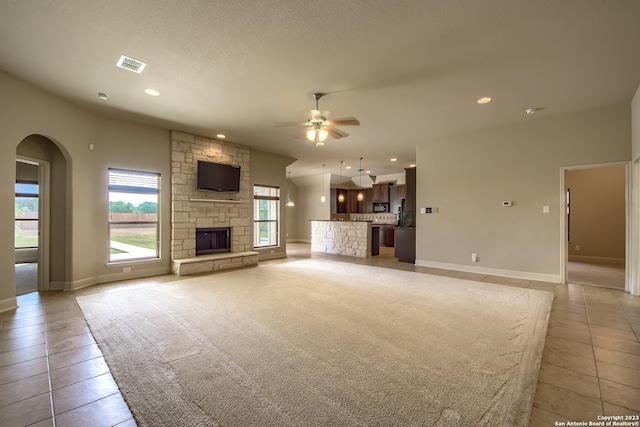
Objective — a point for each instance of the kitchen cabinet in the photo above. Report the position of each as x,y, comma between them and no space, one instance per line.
341,207
355,206
381,193
410,177
405,244
367,206
375,240
396,194
387,233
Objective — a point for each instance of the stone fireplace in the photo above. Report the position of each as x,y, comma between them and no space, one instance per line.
193,209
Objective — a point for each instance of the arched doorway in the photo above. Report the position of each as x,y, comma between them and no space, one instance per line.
41,210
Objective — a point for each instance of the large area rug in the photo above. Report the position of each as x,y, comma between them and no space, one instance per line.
322,343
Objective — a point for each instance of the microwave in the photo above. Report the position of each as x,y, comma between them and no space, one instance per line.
381,207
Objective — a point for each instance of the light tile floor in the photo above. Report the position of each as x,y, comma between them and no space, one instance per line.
53,374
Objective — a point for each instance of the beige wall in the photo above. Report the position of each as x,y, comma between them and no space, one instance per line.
25,111
597,219
308,205
269,169
635,125
634,237
467,177
60,133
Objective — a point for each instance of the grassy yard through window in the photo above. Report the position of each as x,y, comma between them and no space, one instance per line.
141,240
23,241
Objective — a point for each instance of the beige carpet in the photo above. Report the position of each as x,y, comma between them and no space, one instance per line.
322,343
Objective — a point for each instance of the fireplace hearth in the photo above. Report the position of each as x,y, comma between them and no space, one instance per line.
213,240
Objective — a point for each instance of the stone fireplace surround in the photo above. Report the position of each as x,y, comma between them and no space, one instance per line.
192,208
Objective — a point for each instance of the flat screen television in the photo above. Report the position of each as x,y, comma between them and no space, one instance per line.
218,177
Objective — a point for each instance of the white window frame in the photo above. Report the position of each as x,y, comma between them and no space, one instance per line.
118,183
30,196
257,220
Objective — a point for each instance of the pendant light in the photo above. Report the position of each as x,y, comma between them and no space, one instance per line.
289,201
341,195
322,198
360,193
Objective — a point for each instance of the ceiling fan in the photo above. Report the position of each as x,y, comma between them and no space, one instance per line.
318,127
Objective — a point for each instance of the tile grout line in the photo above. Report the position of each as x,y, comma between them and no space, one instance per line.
46,350
593,350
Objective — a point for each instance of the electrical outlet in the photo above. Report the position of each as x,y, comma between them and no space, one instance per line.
577,247
126,269
474,257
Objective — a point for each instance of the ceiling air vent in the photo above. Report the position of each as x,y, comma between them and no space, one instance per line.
131,64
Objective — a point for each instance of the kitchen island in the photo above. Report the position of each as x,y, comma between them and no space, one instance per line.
352,238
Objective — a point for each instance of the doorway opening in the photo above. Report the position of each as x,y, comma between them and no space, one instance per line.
595,225
30,225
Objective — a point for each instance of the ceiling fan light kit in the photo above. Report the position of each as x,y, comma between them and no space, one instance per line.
319,127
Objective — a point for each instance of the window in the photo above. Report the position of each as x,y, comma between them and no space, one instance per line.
133,215
266,212
26,208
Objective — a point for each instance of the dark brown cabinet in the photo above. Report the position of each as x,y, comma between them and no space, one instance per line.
381,193
353,205
396,194
410,176
405,248
387,235
375,241
341,206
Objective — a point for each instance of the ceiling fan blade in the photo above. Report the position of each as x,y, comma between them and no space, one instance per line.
289,123
345,121
336,133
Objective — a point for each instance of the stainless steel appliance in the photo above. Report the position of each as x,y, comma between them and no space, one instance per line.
381,207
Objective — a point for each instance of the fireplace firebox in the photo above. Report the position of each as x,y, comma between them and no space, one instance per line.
213,240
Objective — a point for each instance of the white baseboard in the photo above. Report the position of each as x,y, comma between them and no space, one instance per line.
136,274
8,304
105,278
264,256
597,259
552,278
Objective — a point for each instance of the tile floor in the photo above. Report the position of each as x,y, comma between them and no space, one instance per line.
51,370
53,374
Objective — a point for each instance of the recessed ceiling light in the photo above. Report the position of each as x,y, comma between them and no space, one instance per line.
347,167
393,159
412,165
152,92
221,136
367,171
484,100
103,96
530,110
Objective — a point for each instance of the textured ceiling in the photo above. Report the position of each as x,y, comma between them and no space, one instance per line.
409,70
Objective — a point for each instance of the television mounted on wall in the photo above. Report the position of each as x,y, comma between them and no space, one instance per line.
218,177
